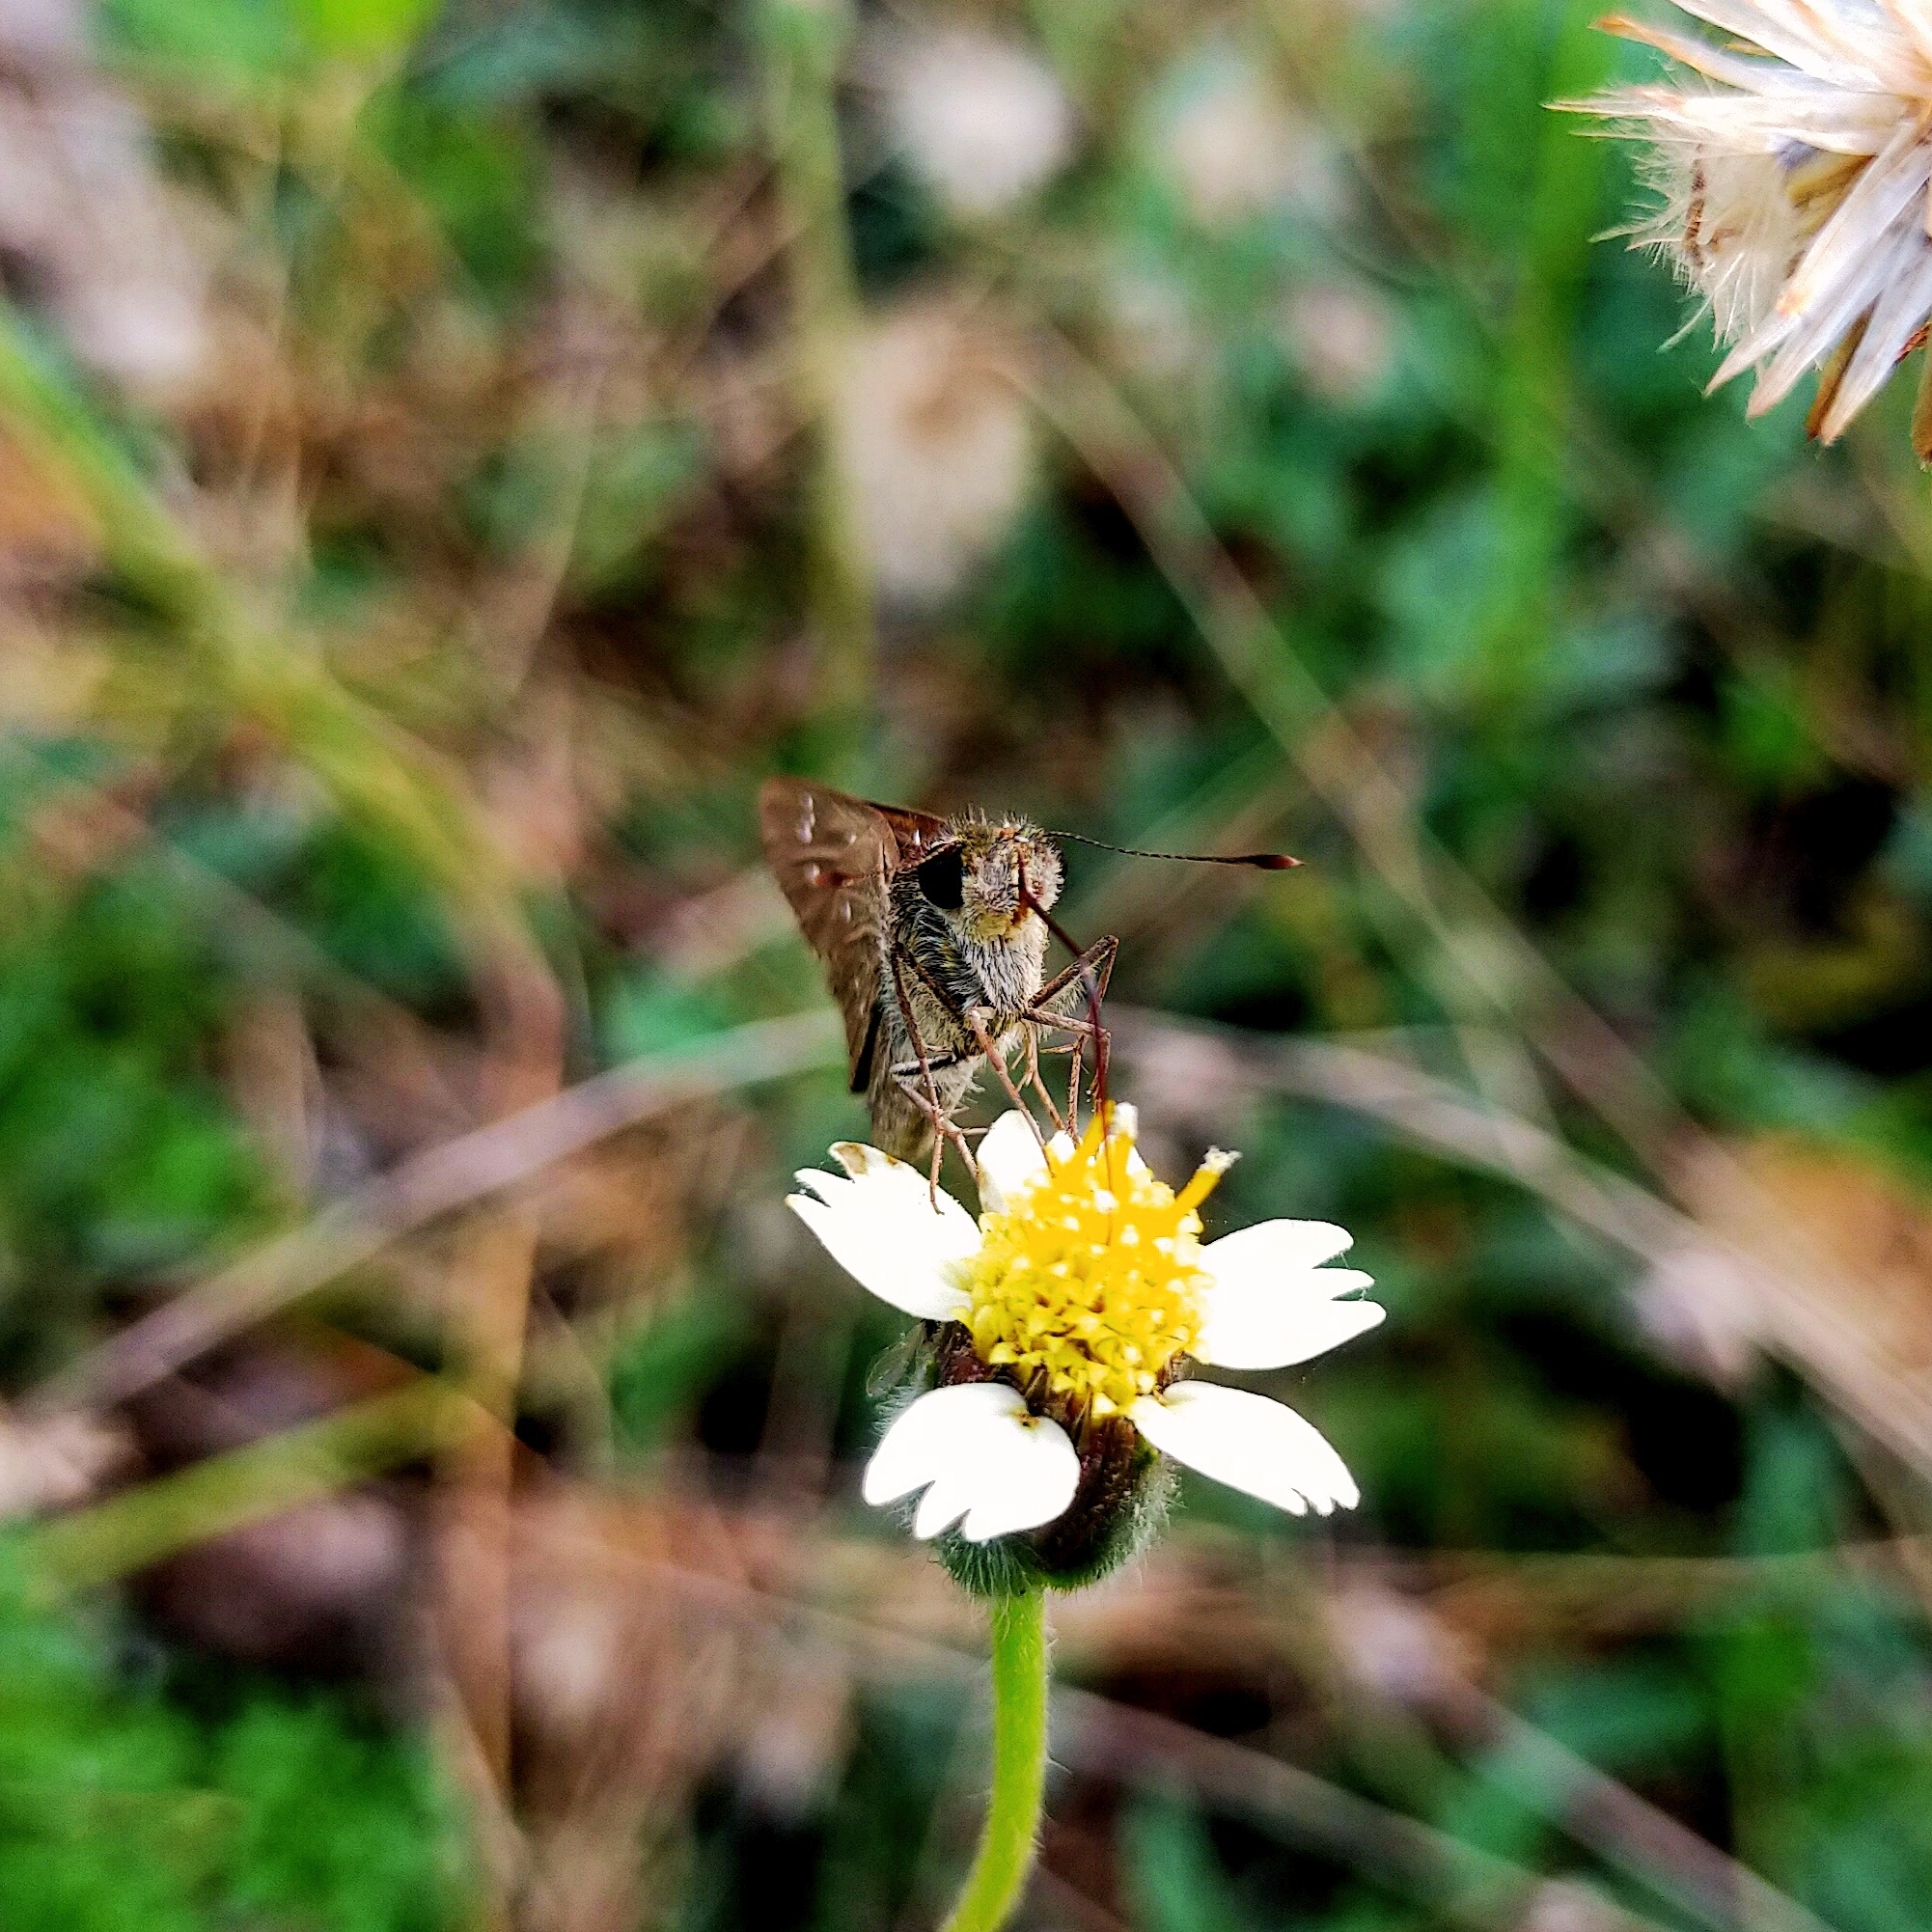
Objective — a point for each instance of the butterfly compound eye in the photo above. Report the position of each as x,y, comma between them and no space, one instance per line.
943,879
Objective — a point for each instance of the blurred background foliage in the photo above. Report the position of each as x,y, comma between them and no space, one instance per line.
448,456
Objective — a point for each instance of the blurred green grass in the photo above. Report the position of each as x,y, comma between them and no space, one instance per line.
488,562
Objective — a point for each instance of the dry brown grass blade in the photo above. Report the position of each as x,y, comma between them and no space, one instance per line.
142,1525
455,1175
489,1319
1624,1829
627,1691
1868,1222
1390,1647
1528,1602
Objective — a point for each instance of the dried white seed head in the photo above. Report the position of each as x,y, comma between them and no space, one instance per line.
936,440
1235,146
1341,336
981,120
1794,168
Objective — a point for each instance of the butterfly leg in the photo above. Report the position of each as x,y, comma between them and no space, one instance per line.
1091,971
977,1018
1037,1084
1082,1032
913,1077
925,1094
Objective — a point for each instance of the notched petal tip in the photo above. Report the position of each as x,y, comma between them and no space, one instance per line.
939,1509
1336,1283
979,1456
859,1160
821,1186
805,1206
1251,1443
885,1233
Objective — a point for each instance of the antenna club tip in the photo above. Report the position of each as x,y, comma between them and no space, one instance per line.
1266,862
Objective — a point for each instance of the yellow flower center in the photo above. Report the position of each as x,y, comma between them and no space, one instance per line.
1091,1276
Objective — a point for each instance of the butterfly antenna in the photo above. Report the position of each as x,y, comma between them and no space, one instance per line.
1261,862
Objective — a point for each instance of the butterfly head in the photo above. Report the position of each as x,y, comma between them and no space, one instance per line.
989,876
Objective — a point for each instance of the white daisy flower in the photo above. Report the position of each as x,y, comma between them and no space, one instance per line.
1795,175
1080,1294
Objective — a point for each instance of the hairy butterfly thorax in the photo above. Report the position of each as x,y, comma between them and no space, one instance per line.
969,918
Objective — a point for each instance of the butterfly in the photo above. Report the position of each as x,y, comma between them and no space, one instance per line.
933,934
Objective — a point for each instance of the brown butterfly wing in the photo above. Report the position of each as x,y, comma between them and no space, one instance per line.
914,833
832,855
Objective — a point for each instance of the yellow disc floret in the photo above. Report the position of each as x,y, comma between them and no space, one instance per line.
1088,1280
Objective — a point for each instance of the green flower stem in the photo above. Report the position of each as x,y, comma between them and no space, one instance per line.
1011,1831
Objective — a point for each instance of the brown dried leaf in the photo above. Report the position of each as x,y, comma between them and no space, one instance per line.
1870,1225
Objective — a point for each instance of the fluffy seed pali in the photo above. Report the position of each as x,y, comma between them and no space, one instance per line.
1796,176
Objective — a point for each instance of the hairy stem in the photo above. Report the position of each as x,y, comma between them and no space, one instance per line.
1009,1837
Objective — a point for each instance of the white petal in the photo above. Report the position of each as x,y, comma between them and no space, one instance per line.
1028,1478
1249,1442
881,1226
925,1439
1285,1245
984,1457
1916,18
1265,1307
1741,124
1277,1327
1816,333
1009,1159
1735,69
